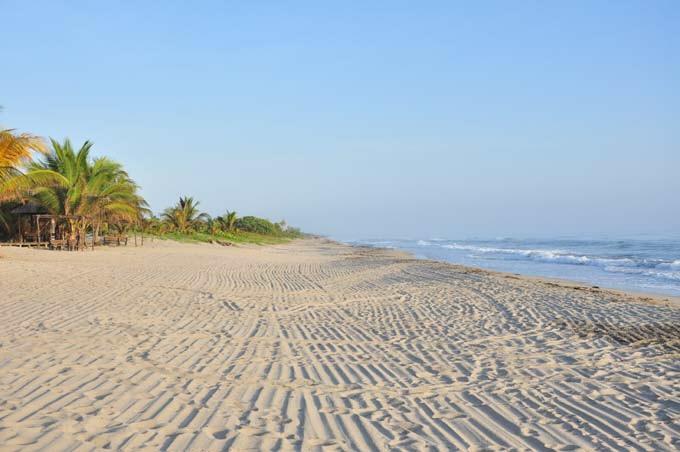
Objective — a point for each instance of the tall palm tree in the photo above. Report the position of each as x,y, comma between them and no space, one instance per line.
184,216
73,167
110,196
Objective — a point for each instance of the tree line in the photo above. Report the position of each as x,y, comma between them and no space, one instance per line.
92,196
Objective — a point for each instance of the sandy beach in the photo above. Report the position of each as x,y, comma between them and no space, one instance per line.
315,345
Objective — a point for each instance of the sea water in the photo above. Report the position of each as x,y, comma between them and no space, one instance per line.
645,264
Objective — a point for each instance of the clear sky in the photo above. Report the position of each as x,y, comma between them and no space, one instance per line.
368,119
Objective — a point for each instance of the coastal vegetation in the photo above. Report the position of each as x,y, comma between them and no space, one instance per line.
184,216
57,194
185,222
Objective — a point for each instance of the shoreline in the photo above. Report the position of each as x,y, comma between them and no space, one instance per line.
650,297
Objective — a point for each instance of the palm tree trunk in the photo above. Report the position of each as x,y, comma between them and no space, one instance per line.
72,233
95,232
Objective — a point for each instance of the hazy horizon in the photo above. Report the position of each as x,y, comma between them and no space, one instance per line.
380,120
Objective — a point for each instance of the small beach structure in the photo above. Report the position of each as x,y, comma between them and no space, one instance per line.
36,227
29,230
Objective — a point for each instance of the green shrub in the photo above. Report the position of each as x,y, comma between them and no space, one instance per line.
257,225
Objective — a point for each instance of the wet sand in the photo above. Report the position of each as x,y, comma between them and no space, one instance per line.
315,345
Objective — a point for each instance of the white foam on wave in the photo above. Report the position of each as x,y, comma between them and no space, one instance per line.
378,243
675,265
660,274
423,243
665,270
539,255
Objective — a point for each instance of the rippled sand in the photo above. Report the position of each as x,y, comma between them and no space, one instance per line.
318,346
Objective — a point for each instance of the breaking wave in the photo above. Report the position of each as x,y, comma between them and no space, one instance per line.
639,264
654,268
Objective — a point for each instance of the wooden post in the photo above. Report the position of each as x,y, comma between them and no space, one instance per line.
37,226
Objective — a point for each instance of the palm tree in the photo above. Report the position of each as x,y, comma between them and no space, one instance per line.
224,223
16,151
230,221
87,192
184,216
214,225
110,196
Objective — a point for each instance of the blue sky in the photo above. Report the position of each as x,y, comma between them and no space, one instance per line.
368,119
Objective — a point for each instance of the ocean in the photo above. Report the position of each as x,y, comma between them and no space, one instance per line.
646,264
